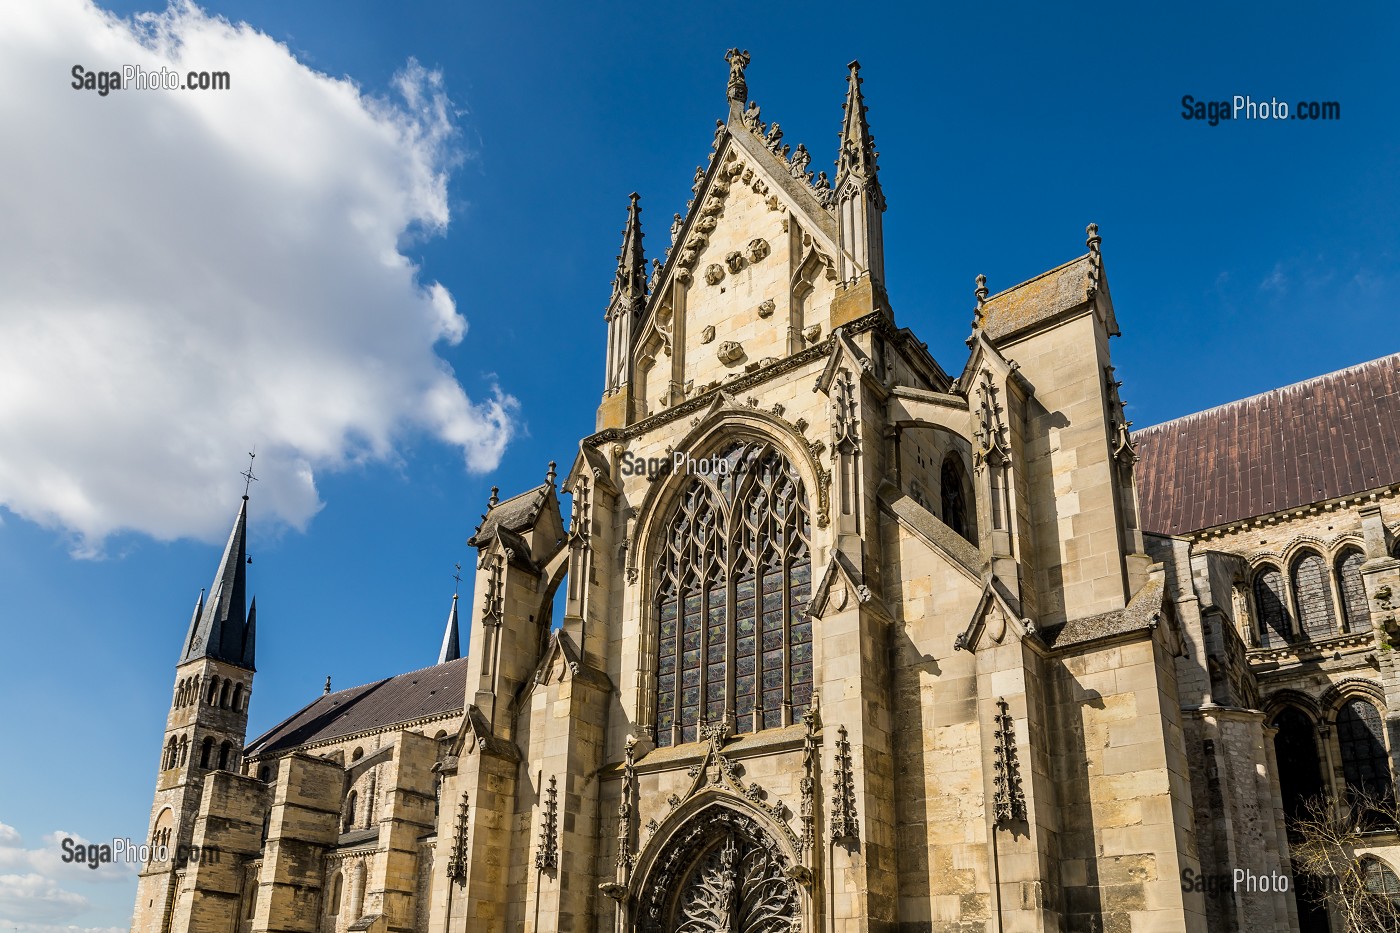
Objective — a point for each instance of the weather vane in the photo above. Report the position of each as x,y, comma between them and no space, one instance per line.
248,473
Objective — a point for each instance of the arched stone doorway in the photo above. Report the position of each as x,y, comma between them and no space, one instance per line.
721,872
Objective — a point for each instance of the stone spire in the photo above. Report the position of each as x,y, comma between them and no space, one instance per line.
628,301
858,160
222,627
859,200
630,282
451,642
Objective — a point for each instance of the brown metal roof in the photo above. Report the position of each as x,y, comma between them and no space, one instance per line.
432,691
1331,436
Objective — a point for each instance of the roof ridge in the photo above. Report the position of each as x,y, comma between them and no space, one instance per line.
1277,390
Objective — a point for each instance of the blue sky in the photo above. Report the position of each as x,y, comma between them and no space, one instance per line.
1241,257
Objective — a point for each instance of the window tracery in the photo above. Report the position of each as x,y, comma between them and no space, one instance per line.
734,579
1312,594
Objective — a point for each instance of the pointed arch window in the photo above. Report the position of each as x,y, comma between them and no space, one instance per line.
955,499
1354,604
1365,761
350,811
1269,604
734,577
1312,595
1299,767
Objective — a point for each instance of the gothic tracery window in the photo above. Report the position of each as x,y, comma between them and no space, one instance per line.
1312,593
1269,604
734,577
1353,590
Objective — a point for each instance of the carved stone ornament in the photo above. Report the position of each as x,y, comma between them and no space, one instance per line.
844,824
722,873
730,351
457,860
547,855
757,250
714,272
1009,802
735,261
708,334
767,308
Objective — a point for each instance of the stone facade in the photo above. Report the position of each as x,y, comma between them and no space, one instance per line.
849,643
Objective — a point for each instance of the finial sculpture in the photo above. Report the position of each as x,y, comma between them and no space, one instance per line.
738,61
328,685
495,498
978,316
551,475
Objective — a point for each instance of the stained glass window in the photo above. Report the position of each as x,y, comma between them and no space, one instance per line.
734,580
1312,592
1358,611
1268,602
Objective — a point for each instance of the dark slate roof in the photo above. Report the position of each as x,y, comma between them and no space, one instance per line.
432,691
517,514
1331,436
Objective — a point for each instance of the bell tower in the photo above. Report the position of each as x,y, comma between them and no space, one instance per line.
206,727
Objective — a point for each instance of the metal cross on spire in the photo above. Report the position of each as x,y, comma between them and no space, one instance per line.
247,474
457,576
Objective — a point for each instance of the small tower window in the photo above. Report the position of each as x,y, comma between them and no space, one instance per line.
350,811
223,695
224,753
206,752
214,692
237,702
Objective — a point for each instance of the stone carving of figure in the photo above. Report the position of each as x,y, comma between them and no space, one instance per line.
699,177
751,117
801,158
775,137
676,222
738,61
719,131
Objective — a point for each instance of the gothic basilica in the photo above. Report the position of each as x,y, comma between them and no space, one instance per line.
849,641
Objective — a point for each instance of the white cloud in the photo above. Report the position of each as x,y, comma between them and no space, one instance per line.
187,274
34,892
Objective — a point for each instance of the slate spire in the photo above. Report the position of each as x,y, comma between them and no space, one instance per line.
451,642
223,629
